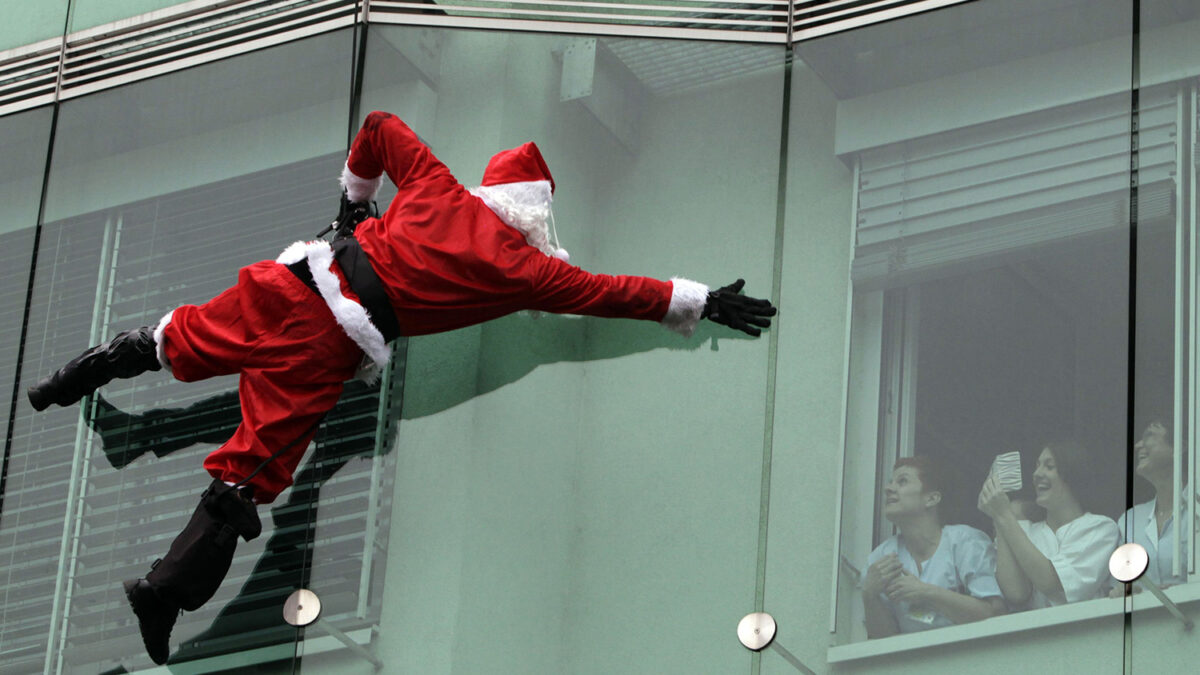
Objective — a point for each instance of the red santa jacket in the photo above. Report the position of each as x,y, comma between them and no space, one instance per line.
446,260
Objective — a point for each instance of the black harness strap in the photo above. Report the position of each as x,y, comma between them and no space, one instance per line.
367,286
363,281
300,269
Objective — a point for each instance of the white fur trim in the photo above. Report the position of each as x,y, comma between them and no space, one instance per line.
158,339
359,189
561,254
293,254
524,206
687,302
350,315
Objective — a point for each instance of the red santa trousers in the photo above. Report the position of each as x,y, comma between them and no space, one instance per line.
292,358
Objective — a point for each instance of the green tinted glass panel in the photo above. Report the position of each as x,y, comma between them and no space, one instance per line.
23,632
972,167
159,192
30,22
565,483
1162,519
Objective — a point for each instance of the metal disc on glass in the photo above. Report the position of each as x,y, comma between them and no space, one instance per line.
756,631
1128,562
301,608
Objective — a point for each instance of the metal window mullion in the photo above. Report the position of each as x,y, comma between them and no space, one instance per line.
1180,327
373,496
70,530
908,372
109,278
1191,128
846,343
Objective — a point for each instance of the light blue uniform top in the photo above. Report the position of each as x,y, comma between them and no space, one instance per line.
1143,530
964,562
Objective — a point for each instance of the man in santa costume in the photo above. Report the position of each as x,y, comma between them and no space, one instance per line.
295,329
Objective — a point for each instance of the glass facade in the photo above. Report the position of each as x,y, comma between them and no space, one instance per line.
990,326
979,223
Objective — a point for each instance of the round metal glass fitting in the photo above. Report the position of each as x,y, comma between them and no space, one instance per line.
301,608
1128,562
755,631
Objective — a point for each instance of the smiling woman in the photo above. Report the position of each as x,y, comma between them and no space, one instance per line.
1061,559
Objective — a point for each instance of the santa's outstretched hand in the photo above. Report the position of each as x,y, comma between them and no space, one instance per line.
728,307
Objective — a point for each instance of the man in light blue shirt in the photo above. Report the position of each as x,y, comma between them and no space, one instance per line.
929,575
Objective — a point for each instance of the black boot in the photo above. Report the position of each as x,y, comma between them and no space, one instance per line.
197,562
128,354
156,617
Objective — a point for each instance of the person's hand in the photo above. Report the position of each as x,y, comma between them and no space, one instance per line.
993,501
906,588
350,214
880,574
728,307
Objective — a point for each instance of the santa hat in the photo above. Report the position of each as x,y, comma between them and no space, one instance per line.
518,187
521,164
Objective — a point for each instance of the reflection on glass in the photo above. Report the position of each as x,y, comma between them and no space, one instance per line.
549,462
991,288
153,445
1163,513
25,580
159,191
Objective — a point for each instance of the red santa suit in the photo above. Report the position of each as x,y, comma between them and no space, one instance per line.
446,257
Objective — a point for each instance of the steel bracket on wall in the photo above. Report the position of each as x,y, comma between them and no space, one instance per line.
303,608
601,83
756,632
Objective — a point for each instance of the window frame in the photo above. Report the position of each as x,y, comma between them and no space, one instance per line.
863,392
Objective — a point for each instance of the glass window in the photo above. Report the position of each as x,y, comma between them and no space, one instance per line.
567,481
158,193
1162,517
23,143
981,155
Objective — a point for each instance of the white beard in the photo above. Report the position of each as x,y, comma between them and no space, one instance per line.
526,207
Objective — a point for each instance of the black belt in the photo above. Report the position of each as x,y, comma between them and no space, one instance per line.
363,281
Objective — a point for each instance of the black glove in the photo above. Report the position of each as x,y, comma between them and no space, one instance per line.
350,214
728,307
